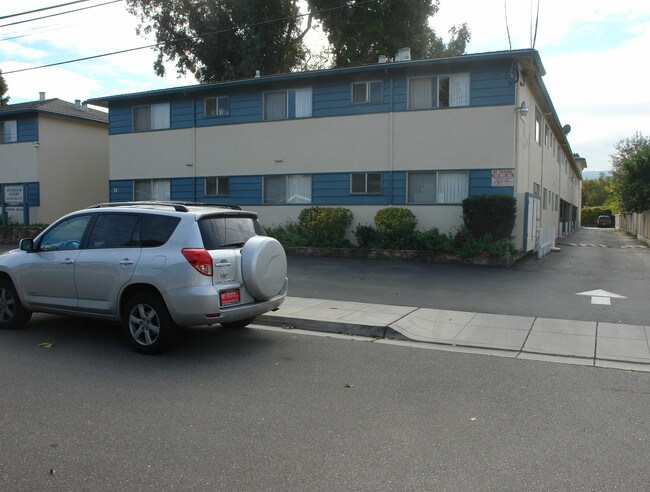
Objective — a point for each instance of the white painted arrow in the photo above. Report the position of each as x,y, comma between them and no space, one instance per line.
601,296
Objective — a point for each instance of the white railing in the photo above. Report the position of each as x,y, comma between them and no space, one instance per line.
546,241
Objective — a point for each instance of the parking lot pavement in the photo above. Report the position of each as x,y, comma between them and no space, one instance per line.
569,341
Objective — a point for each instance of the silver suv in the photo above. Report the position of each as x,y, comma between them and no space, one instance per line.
153,266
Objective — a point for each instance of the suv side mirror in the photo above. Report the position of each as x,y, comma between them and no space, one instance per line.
26,245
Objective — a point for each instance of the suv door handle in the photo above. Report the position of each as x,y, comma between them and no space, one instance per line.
67,261
126,261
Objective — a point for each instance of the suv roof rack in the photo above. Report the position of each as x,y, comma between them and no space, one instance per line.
177,206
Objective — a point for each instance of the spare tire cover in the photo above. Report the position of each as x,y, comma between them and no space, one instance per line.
264,266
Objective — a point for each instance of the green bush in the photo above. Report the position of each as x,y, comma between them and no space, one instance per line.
589,215
490,214
367,236
395,227
288,234
325,226
433,240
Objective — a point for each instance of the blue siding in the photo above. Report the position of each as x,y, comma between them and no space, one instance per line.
120,190
181,113
120,120
480,183
245,107
331,189
335,98
181,189
27,129
33,194
492,88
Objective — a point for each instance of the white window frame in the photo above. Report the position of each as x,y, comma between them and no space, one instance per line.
438,193
538,126
217,113
288,200
453,80
304,102
365,187
154,197
163,109
217,182
368,91
9,133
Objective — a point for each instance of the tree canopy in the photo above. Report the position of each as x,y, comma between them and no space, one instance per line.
359,35
597,192
229,39
3,90
631,173
223,39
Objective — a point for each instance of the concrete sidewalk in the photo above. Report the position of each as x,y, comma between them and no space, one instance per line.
556,340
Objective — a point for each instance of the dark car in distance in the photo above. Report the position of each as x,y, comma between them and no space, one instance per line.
604,221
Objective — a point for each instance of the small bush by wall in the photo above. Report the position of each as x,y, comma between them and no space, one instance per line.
395,227
490,214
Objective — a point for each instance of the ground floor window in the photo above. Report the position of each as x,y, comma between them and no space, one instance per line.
437,187
152,190
287,189
365,183
216,186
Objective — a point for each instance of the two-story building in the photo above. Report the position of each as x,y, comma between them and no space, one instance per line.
53,159
422,134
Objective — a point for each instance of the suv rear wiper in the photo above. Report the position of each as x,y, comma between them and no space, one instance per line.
238,244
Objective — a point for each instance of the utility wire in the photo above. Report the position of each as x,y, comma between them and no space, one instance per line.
59,13
41,9
188,38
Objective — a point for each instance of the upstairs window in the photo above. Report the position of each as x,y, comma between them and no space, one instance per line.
275,105
216,186
365,183
8,131
217,106
304,103
152,117
368,92
439,91
538,126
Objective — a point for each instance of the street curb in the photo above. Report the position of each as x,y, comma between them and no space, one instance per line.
371,331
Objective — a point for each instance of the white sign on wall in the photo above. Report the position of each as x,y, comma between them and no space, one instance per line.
14,194
503,177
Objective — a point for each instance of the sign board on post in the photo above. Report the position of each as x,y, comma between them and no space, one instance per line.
503,177
14,194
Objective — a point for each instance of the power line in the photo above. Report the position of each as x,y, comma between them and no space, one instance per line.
188,38
41,9
60,13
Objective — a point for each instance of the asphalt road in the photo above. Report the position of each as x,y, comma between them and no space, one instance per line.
546,287
262,410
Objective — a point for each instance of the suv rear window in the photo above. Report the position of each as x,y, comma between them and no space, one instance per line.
222,232
157,229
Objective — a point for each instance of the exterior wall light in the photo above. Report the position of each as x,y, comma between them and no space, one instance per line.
523,109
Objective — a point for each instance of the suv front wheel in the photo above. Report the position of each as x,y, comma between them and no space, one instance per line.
147,323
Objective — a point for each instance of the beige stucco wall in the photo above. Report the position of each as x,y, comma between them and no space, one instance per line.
444,217
72,166
443,139
18,162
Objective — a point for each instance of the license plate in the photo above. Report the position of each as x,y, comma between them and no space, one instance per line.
229,297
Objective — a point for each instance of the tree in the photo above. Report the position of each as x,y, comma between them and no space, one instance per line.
631,173
597,192
3,90
359,34
223,39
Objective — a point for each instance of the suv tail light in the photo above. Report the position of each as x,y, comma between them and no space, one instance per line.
200,259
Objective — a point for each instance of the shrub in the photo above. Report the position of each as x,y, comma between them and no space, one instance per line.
490,214
288,234
589,215
433,240
395,227
325,226
366,235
